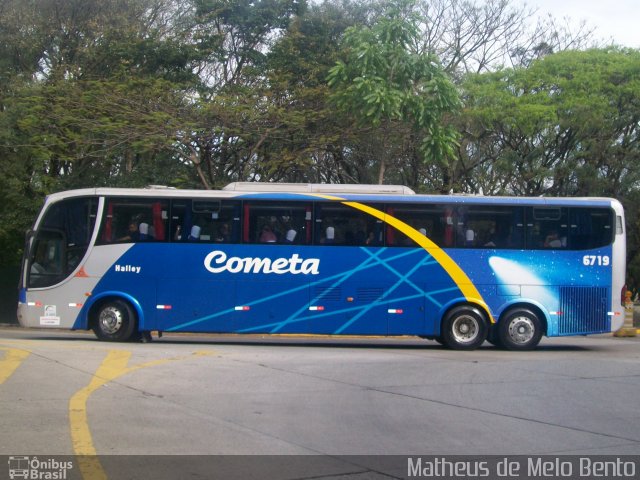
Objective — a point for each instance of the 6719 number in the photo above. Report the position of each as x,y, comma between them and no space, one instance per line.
592,260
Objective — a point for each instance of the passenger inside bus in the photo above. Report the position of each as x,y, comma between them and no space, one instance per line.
143,231
224,234
194,236
291,236
132,234
330,235
553,240
267,235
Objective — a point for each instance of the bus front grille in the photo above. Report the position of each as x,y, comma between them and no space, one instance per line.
583,310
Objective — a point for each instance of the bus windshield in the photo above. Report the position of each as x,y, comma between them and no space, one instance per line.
61,241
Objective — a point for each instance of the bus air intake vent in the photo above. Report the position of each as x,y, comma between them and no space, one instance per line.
584,310
331,294
370,294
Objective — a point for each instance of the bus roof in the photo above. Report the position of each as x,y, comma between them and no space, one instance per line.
310,191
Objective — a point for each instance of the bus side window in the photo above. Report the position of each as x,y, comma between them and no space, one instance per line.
547,227
277,223
134,219
338,224
488,226
204,221
423,219
590,228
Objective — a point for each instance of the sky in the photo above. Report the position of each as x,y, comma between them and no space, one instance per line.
612,19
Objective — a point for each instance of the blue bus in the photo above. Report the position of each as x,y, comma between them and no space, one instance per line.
325,259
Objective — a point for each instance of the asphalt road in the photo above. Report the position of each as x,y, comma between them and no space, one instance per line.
65,393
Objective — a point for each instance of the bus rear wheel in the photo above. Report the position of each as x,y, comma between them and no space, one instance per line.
520,329
464,328
114,321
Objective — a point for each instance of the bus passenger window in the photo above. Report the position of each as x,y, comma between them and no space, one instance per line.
547,227
205,220
590,227
273,222
134,219
339,224
487,226
424,218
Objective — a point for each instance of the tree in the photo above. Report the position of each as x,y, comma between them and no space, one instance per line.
567,125
233,114
474,37
391,91
238,34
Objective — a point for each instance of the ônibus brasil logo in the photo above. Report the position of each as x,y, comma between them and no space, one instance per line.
34,468
218,262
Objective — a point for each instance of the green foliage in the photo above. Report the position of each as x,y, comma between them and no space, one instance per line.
381,84
569,121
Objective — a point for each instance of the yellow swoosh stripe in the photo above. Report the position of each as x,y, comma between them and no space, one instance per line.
456,273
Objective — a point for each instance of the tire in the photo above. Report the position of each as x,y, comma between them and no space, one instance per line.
464,328
520,329
114,321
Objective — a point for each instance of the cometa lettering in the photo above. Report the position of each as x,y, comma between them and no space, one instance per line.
218,262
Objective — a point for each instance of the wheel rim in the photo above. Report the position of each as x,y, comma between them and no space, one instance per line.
110,320
521,330
465,329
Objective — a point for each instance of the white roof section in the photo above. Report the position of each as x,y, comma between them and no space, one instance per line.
401,193
319,188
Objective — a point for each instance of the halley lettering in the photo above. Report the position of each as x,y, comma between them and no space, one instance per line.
128,268
218,262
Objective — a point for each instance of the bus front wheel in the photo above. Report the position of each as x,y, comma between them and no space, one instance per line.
464,328
114,321
520,329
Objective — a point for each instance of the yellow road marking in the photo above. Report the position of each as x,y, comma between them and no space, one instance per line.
113,366
57,345
12,360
